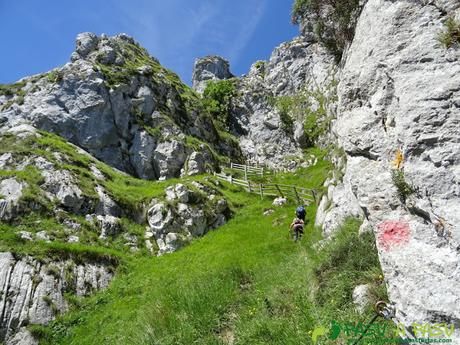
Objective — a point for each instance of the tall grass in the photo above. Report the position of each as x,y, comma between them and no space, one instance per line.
244,283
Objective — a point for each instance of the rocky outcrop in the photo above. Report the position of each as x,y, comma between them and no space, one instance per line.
296,73
32,292
398,121
10,194
118,103
187,212
209,68
362,297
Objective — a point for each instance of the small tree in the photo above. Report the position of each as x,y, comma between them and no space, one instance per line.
217,100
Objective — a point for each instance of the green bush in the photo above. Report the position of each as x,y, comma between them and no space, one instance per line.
316,122
217,100
54,76
11,89
285,106
451,35
404,189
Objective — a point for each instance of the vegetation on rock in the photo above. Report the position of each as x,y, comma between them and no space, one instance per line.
217,100
333,20
404,189
451,35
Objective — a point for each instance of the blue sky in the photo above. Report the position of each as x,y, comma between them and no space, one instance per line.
37,36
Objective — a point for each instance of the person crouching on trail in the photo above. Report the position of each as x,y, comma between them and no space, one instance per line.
298,223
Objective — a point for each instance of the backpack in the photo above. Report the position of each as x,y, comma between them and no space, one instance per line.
301,212
298,225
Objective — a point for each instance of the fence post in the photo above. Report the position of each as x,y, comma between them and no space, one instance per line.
231,165
261,191
246,172
296,194
262,171
230,179
279,190
249,186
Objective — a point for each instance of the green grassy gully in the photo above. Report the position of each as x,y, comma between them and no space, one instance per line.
244,283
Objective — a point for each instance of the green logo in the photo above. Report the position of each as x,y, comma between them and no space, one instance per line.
333,332
317,332
382,333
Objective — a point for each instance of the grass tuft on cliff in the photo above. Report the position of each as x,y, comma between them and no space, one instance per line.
451,34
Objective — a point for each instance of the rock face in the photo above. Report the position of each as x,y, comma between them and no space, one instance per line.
133,118
187,213
33,292
297,70
209,68
399,115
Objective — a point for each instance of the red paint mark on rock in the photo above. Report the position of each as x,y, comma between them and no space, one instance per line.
393,233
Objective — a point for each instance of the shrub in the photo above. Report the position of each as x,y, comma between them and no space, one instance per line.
217,100
404,189
54,271
316,121
54,76
285,105
451,35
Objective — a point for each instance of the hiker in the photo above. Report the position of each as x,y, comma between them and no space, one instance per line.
298,223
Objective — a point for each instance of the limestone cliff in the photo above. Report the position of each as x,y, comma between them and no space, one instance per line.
118,103
398,122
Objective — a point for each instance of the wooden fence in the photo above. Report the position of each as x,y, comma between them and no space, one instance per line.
301,195
248,169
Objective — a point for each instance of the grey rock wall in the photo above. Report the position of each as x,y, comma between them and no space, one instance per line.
399,91
127,118
32,292
298,67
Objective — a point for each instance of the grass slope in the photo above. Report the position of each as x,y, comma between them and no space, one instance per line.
245,283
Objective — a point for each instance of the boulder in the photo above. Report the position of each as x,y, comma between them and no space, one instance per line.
169,157
23,337
73,239
159,217
109,225
280,201
106,206
196,164
10,195
182,192
42,236
60,184
174,224
362,297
